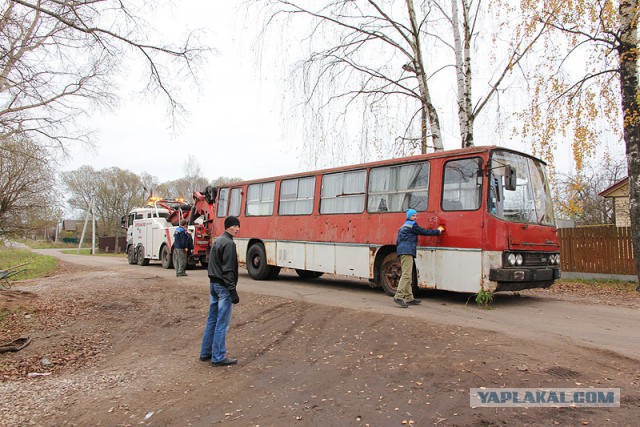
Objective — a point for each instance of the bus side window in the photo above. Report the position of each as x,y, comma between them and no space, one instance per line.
296,196
260,199
235,201
462,185
222,203
398,188
343,192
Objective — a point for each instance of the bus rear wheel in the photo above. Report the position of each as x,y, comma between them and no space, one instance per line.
166,257
308,274
390,272
257,263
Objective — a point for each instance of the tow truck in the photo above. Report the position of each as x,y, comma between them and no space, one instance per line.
150,229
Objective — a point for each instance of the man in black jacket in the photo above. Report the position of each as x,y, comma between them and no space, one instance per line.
223,277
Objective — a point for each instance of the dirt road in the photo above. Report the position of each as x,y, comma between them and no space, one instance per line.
121,345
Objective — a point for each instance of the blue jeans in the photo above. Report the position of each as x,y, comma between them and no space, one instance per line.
215,333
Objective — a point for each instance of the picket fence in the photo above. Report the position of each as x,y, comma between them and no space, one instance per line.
598,249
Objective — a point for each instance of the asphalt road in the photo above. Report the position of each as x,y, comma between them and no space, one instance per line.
529,316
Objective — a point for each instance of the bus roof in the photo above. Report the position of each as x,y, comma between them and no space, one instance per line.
398,160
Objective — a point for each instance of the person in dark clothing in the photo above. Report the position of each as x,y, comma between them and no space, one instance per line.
406,249
182,244
223,277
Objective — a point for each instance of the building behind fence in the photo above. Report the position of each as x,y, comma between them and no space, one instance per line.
598,250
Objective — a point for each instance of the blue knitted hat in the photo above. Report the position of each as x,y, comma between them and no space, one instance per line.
411,212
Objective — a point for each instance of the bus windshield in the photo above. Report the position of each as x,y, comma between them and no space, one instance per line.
530,202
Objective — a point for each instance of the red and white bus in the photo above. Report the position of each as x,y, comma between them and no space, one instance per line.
494,203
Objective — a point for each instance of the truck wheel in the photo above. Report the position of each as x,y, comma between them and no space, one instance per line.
390,273
308,274
257,263
166,257
132,255
141,259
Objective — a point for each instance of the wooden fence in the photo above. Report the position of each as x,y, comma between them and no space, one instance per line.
108,244
601,249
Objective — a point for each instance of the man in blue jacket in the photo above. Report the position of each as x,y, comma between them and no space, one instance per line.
182,244
406,250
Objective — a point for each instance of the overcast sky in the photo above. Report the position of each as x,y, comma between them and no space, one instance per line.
236,126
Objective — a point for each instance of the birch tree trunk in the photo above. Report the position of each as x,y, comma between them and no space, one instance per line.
628,57
429,114
462,43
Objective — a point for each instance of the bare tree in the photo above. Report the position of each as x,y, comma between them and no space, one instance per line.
115,192
521,34
577,194
192,167
28,199
378,56
223,180
182,187
386,52
57,58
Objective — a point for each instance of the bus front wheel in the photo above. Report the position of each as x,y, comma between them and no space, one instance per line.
257,263
390,272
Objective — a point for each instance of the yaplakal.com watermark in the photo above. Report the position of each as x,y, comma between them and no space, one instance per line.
550,397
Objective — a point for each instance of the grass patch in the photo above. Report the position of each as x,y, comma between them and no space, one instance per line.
45,244
484,299
37,265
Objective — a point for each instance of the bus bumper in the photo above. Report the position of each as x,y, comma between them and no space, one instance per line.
513,279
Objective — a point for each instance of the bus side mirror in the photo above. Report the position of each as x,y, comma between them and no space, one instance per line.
509,178
123,222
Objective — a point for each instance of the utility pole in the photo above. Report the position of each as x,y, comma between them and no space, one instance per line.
84,228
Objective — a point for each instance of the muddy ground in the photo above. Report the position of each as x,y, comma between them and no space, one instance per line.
117,345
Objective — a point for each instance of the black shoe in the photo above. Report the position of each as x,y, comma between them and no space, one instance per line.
415,302
225,362
400,302
205,359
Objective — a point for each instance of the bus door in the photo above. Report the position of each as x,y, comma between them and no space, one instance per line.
458,257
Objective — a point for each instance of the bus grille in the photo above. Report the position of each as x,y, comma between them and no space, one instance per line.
536,259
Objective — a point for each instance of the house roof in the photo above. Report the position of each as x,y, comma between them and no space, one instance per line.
70,224
607,192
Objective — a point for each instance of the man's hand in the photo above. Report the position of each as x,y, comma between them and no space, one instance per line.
441,229
234,296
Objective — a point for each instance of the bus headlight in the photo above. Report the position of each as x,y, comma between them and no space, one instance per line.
519,259
557,259
511,259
